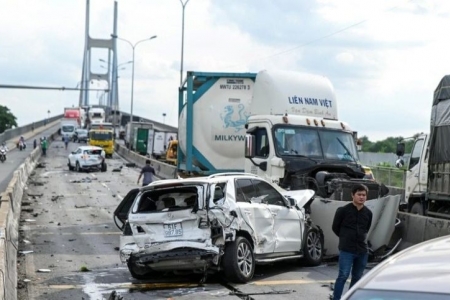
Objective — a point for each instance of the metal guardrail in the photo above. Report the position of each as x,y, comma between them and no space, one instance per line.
15,132
389,176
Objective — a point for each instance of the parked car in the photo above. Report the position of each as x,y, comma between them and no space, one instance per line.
224,222
418,272
87,158
80,135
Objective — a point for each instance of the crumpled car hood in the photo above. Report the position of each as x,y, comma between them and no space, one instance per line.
302,197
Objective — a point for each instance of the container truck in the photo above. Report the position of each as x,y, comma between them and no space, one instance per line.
286,124
70,121
284,127
428,168
96,115
139,137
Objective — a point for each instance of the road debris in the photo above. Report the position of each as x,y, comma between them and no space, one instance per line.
44,270
26,252
55,198
81,206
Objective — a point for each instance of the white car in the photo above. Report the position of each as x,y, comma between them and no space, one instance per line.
87,158
419,272
225,222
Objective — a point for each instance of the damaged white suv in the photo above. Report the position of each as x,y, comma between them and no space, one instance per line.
226,222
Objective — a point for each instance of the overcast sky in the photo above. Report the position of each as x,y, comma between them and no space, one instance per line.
384,58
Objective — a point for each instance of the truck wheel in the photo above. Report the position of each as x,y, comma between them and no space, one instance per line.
70,167
239,261
137,271
77,167
417,209
313,248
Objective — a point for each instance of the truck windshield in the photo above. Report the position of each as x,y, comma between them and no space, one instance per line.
315,143
100,136
67,128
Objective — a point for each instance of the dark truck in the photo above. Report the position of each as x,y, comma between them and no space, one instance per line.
429,164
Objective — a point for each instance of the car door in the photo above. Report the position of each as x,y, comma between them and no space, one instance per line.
121,212
255,215
73,157
288,227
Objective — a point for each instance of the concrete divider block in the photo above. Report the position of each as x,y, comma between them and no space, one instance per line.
414,229
163,170
10,205
436,228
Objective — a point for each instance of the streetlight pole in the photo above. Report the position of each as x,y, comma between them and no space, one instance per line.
132,71
183,4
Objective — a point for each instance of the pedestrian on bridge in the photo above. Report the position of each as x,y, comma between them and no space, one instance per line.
351,224
44,146
66,140
148,172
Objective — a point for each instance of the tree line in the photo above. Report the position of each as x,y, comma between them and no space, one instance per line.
7,119
388,145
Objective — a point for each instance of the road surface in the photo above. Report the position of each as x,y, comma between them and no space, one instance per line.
67,223
15,157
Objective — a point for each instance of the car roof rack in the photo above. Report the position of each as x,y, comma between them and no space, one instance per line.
232,174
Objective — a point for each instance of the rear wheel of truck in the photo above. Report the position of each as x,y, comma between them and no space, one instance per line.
239,261
313,248
417,209
138,272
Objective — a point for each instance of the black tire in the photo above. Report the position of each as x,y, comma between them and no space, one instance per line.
70,167
313,248
239,261
138,272
77,167
103,167
417,209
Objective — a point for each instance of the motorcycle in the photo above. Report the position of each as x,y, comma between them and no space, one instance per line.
2,155
21,145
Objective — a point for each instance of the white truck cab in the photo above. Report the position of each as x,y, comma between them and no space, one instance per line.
416,176
301,136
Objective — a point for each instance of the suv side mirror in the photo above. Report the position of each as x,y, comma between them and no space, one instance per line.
400,149
249,146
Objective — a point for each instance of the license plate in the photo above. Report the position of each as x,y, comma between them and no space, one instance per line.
173,229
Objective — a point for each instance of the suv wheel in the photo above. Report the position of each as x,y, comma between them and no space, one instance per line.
77,167
138,272
239,261
70,167
313,248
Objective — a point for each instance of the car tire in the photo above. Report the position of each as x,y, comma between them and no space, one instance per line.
313,248
239,261
417,209
77,167
103,167
138,272
70,167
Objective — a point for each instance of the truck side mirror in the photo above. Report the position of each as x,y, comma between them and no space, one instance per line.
250,146
400,149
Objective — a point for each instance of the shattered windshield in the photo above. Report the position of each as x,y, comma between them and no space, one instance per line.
315,143
171,198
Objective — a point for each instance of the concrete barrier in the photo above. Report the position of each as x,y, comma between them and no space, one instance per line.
10,207
18,131
163,170
419,228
